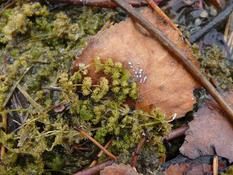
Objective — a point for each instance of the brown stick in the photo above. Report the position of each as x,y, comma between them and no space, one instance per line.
176,133
156,8
94,162
180,55
137,152
103,3
97,144
95,169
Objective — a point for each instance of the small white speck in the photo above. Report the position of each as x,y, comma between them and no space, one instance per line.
144,79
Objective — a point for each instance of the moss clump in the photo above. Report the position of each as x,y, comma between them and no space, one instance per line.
38,50
229,171
216,66
45,138
47,42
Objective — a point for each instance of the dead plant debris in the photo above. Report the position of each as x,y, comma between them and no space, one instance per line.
159,86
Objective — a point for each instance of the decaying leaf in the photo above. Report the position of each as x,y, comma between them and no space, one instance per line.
209,132
181,165
188,169
163,81
119,170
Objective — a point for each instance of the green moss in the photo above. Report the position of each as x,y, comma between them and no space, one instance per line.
216,66
46,142
229,171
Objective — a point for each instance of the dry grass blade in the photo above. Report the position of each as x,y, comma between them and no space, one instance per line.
215,165
37,106
14,86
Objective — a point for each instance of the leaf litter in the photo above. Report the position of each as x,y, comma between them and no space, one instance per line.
68,117
210,132
159,86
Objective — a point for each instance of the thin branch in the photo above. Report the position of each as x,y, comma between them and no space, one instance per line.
156,8
84,133
94,162
181,56
177,133
95,169
137,152
8,4
102,3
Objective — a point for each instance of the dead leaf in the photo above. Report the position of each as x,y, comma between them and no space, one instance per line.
167,85
188,169
209,131
119,170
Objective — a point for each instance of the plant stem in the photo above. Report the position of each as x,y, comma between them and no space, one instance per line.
30,99
14,86
137,152
97,144
94,162
177,133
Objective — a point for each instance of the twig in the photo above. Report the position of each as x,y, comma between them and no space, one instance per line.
103,3
30,99
212,24
177,133
179,54
95,169
156,8
137,152
6,5
94,162
97,144
215,165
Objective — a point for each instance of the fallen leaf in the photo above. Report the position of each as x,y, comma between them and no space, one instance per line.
163,82
209,132
119,170
181,165
188,169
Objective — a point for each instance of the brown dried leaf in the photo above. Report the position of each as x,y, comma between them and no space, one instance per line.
168,86
188,169
209,131
119,170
